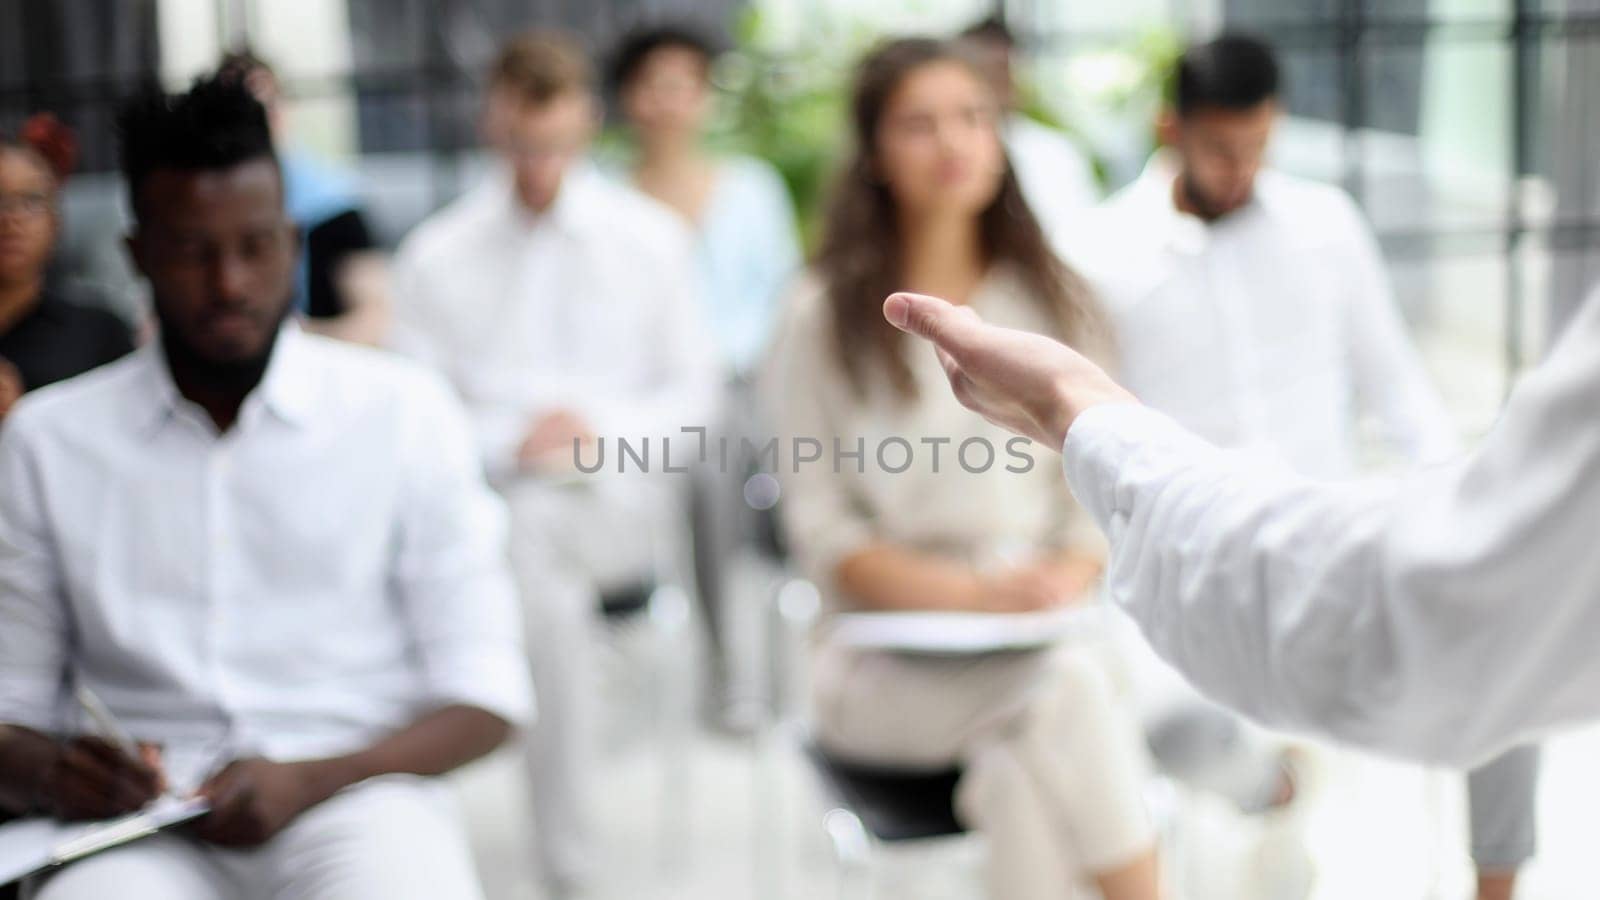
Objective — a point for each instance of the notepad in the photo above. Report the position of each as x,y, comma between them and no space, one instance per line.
30,846
966,633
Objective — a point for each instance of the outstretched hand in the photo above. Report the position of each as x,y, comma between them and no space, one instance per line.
1023,382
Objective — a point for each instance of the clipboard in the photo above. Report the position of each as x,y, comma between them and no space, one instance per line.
31,846
967,633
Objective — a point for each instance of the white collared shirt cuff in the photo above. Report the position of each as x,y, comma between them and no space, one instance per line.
1117,444
495,685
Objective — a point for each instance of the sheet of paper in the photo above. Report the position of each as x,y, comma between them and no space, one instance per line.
25,847
964,633
33,844
166,811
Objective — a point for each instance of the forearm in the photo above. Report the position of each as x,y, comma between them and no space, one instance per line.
435,744
887,578
1307,606
1077,564
1255,585
26,758
1441,618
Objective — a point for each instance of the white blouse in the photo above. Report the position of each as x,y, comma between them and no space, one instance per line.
968,489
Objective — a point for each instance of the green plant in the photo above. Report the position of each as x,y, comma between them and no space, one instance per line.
783,95
785,102
1106,94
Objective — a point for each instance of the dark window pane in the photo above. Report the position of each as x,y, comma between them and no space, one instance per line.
441,48
1450,169
76,58
1448,11
1264,12
1311,83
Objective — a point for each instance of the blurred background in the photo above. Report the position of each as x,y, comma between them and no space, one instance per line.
1460,126
1455,123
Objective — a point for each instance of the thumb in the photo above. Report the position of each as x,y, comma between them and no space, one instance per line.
950,327
220,787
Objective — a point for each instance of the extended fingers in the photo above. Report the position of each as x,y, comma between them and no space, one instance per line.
949,327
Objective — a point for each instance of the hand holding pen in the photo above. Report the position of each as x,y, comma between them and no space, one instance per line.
104,775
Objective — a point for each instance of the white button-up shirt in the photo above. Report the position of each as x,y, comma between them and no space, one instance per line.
327,570
1447,616
590,306
1271,328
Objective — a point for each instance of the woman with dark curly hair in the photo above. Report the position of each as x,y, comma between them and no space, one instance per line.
45,336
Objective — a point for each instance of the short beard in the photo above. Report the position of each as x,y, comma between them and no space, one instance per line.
1197,201
1200,203
238,376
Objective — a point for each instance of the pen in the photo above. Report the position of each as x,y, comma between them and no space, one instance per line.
109,727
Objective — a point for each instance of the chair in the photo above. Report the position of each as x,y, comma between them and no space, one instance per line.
870,809
622,604
648,624
870,806
892,804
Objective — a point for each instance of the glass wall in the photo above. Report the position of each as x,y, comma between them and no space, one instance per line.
1463,127
69,56
1467,130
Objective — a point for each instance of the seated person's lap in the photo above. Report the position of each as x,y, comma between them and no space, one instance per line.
392,837
928,711
606,534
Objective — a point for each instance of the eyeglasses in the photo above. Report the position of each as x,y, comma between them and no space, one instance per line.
27,206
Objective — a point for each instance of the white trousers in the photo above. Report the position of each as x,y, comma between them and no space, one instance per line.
568,544
397,837
1054,766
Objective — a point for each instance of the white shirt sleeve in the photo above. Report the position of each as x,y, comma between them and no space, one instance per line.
1444,617
451,571
34,624
1389,377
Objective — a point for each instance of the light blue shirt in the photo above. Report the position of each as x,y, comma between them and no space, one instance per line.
313,193
748,253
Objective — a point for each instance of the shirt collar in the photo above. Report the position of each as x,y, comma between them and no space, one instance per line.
288,389
576,211
1180,231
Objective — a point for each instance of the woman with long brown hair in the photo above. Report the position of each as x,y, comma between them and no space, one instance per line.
967,520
